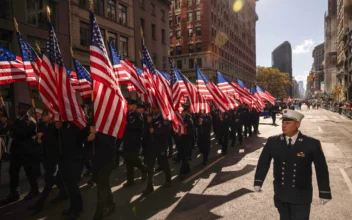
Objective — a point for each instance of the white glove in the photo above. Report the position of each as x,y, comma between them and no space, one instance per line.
323,201
257,188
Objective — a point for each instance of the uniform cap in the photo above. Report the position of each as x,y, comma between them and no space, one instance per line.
45,112
24,105
289,114
140,106
131,101
38,110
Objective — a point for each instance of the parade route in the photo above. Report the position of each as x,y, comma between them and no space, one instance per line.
221,190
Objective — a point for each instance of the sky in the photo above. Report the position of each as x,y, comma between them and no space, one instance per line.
300,22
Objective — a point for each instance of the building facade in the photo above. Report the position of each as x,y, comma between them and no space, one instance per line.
31,16
301,89
152,17
318,56
213,36
282,60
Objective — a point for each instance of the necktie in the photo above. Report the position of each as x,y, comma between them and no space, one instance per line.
289,142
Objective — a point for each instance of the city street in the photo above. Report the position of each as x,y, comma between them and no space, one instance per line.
222,189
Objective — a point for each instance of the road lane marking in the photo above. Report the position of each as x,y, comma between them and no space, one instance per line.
201,171
335,117
347,179
319,129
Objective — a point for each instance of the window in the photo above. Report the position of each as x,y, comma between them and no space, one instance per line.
83,4
122,14
84,34
99,7
189,2
199,62
113,38
190,32
178,34
163,36
178,50
198,31
37,15
154,59
162,14
111,10
153,9
141,3
190,48
189,16
197,2
191,63
171,35
153,32
102,32
199,47
142,24
170,23
179,64
198,15
178,19
177,4
123,47
164,63
171,50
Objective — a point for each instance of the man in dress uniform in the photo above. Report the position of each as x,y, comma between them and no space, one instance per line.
255,116
223,126
47,137
274,110
24,152
159,131
293,155
236,127
132,140
203,125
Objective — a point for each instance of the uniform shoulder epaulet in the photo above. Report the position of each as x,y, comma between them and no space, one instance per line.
276,137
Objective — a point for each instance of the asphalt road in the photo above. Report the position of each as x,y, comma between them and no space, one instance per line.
224,188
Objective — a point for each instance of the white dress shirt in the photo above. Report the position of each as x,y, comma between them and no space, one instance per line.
293,138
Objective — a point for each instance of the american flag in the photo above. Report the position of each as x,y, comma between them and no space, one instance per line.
69,107
244,95
198,104
31,61
72,75
110,107
222,101
226,87
84,80
11,68
259,99
165,75
177,86
202,88
265,95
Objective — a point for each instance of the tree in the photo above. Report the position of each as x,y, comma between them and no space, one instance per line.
273,81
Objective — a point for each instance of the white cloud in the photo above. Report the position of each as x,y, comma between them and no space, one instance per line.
306,71
305,47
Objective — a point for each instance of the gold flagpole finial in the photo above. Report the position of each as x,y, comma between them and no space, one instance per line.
38,48
142,34
72,54
91,5
16,24
48,12
140,54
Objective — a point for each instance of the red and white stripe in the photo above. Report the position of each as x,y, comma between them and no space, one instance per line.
198,104
203,90
223,102
82,86
12,71
32,72
229,90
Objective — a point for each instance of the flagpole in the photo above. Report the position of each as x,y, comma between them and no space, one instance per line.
29,87
92,96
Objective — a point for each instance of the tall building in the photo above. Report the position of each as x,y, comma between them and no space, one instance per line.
330,46
31,16
215,37
318,70
282,60
152,17
301,89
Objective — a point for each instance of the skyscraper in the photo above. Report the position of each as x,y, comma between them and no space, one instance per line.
282,60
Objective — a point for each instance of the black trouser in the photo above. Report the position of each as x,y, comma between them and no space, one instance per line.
163,164
118,152
184,149
238,130
52,177
71,171
224,140
31,165
289,211
247,129
104,194
132,161
256,126
273,116
170,145
204,147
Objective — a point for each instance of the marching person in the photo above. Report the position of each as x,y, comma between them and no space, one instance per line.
47,137
24,152
236,127
132,140
159,131
293,154
223,126
255,117
274,110
204,133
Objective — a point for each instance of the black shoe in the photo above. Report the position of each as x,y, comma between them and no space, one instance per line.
91,183
224,152
148,190
59,198
144,176
205,162
31,195
128,184
167,184
73,215
110,210
13,197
